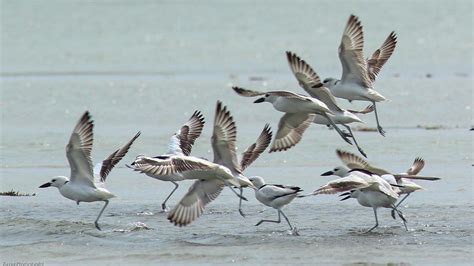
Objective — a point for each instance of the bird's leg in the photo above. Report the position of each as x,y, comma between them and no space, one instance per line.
376,221
270,221
398,204
96,223
355,141
293,230
344,136
379,127
286,218
163,205
240,202
400,214
233,190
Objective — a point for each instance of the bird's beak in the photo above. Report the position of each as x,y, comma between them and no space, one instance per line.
328,173
348,197
345,194
45,185
260,100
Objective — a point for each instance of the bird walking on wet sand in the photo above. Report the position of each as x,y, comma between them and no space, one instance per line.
275,196
369,189
310,82
223,140
299,112
403,180
358,74
85,183
181,144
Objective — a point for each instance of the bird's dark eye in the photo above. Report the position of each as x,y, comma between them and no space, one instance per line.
335,169
267,95
326,80
54,180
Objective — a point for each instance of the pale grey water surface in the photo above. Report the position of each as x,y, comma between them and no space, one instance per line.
147,65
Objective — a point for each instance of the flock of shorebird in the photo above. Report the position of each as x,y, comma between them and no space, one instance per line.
371,186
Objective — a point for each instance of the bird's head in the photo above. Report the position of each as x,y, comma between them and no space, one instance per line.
57,181
340,171
257,181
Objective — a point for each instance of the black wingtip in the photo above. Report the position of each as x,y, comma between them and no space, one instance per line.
238,90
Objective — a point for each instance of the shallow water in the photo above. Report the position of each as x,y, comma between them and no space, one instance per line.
148,66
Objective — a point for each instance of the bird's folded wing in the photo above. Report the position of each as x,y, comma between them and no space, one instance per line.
272,192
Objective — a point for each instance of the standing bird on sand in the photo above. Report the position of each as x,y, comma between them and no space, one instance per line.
369,189
310,82
223,139
358,74
299,112
87,184
275,196
181,144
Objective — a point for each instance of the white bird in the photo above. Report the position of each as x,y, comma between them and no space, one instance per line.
223,139
311,83
275,196
180,144
358,74
369,189
403,180
87,184
299,113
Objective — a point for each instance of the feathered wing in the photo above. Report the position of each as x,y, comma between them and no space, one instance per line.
257,148
381,55
376,186
310,81
353,161
417,177
170,165
182,141
416,167
342,184
223,139
115,158
288,94
306,76
190,132
247,93
78,151
354,68
290,130
192,205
